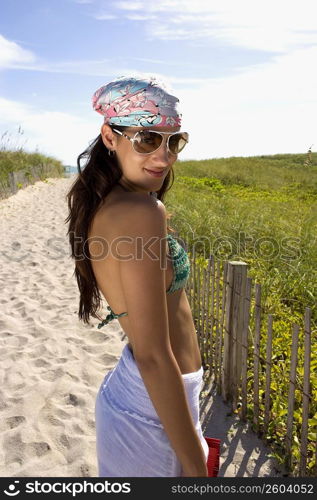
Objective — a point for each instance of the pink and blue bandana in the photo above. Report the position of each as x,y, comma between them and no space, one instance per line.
137,102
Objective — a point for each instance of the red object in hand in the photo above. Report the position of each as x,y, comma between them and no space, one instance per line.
213,457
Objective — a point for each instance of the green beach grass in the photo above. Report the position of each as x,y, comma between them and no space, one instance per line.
263,211
13,161
13,158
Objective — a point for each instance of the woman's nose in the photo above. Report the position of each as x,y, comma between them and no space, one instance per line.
162,154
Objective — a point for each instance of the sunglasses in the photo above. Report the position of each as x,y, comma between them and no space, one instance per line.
146,142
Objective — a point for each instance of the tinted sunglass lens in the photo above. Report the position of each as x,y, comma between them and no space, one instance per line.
147,142
177,142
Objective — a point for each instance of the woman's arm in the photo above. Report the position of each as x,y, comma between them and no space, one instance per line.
142,262
162,378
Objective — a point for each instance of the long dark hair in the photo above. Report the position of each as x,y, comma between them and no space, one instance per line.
94,182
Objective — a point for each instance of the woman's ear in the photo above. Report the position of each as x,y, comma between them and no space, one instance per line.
108,137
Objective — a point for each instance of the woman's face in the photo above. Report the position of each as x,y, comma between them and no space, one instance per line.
134,165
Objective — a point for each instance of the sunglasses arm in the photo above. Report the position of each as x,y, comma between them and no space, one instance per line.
124,135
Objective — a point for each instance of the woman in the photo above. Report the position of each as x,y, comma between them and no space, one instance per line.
147,408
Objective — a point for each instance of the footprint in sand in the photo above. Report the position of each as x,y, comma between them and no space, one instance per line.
63,415
6,334
108,360
38,449
4,352
98,337
14,449
77,429
91,349
17,387
73,400
84,471
16,401
16,341
51,419
52,375
19,305
41,363
38,352
64,441
3,405
12,422
61,360
91,424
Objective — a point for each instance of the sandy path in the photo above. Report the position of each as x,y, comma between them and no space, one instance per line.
51,365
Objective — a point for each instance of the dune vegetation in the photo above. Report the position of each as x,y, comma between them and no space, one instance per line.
29,166
263,211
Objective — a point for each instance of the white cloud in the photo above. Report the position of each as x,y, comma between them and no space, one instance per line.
163,61
265,110
140,17
11,53
272,25
100,67
81,67
58,134
105,17
129,5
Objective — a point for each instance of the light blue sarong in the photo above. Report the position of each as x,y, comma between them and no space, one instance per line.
131,440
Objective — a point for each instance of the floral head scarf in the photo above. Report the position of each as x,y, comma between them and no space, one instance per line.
137,102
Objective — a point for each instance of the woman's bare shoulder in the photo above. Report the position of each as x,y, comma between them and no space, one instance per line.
137,199
132,204
133,210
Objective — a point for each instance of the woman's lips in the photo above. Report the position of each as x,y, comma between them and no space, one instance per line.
155,173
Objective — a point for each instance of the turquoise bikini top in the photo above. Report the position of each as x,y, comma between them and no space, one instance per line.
181,270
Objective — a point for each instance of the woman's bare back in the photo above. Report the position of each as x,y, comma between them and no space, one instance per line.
182,332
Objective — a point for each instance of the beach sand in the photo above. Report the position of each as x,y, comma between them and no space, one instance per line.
51,364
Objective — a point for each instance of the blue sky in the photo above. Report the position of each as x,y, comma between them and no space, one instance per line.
244,70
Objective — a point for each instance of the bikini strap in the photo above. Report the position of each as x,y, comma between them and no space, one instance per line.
110,317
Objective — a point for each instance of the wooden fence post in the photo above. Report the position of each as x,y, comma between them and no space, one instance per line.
221,329
245,344
256,356
235,293
291,397
209,359
217,328
226,367
203,317
239,284
306,392
13,182
268,369
198,295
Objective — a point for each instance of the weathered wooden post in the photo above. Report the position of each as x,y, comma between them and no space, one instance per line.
306,393
256,358
291,398
245,344
232,356
13,182
268,371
